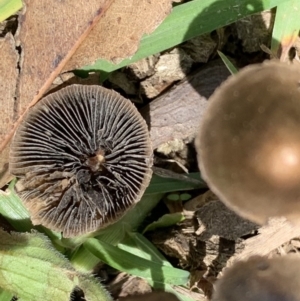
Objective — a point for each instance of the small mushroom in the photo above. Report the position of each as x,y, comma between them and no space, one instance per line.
249,142
260,279
83,156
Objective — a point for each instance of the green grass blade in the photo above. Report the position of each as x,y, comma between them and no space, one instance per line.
136,242
12,209
164,185
187,21
147,250
83,260
134,265
166,220
286,27
231,68
139,245
8,8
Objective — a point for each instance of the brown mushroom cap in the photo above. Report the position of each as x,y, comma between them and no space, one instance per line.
84,157
261,279
249,142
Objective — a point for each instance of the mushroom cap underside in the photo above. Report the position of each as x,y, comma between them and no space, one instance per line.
83,156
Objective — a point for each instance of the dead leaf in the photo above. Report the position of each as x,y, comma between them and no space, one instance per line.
48,35
69,78
8,79
118,33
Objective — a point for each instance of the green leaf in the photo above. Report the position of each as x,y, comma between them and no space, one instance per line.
83,260
185,196
13,209
188,20
135,265
8,8
286,27
175,197
33,270
163,185
92,289
166,220
137,244
5,296
232,69
147,250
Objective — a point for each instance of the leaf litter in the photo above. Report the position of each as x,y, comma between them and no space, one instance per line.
8,81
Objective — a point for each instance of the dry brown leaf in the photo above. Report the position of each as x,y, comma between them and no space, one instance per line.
118,33
48,35
8,79
69,78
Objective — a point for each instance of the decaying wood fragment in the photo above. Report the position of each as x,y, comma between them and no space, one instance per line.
271,236
177,113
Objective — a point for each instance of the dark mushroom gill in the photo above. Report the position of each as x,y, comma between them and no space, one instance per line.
83,156
249,142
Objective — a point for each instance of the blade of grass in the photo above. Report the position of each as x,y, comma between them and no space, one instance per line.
139,245
286,28
163,185
166,220
12,209
8,8
147,250
187,21
231,68
83,260
135,265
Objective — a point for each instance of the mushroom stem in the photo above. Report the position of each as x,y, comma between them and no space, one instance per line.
95,163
